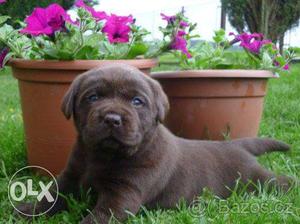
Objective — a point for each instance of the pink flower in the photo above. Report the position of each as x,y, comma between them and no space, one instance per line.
286,67
244,37
255,46
3,54
181,33
169,19
117,28
183,24
2,1
251,42
247,37
98,15
46,21
179,43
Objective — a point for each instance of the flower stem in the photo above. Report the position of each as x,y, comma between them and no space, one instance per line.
130,46
81,30
256,60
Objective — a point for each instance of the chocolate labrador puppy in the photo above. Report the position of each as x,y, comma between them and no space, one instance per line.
125,154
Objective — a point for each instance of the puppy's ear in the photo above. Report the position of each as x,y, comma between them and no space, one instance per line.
68,102
161,100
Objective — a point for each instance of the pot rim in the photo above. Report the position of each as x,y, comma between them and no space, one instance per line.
78,64
214,73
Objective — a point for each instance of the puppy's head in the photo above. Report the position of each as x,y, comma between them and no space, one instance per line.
115,107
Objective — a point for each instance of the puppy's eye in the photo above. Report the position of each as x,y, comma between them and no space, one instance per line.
137,101
92,98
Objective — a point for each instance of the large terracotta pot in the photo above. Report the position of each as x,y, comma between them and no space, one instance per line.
42,84
215,104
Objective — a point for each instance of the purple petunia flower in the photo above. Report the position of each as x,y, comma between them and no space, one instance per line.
117,28
255,46
169,19
183,24
2,1
98,15
277,64
181,33
3,54
179,43
251,42
46,20
246,38
286,67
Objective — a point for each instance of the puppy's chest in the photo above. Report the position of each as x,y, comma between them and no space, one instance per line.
103,175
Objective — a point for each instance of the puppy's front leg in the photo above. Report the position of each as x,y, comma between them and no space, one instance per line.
114,204
68,183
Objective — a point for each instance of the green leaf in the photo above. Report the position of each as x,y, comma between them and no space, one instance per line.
6,31
3,19
106,47
94,39
88,53
280,60
192,27
267,61
65,55
136,50
219,36
50,53
224,66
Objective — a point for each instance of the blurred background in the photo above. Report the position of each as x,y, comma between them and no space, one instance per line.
206,13
276,19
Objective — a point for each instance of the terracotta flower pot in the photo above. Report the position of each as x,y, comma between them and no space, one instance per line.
42,84
214,104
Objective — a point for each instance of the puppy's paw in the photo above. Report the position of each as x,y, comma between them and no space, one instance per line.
26,210
95,219
285,183
89,220
29,210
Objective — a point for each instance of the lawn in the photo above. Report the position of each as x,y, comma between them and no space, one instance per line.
281,120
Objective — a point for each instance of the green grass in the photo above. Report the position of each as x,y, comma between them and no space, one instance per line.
281,120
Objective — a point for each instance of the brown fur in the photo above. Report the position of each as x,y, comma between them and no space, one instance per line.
138,161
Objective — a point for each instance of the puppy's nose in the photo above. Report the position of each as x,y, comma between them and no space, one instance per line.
113,120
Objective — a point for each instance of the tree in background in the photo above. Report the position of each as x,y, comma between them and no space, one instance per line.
270,17
19,9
